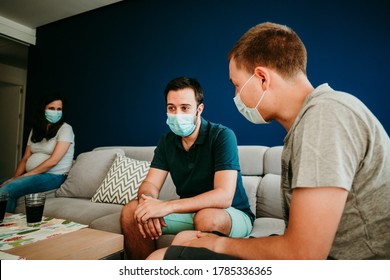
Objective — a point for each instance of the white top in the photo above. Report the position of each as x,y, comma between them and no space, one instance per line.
41,151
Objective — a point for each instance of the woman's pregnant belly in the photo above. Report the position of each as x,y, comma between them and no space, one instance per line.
35,159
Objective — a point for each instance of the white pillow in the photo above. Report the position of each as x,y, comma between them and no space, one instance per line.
122,181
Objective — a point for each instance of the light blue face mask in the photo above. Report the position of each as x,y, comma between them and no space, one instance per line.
181,124
53,116
251,114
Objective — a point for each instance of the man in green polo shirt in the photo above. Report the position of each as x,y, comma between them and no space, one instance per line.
202,158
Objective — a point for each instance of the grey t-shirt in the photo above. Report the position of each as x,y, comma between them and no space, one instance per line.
41,151
337,142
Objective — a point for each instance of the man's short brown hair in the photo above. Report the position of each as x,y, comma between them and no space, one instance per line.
270,45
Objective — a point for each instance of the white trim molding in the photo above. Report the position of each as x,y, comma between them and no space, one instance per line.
17,31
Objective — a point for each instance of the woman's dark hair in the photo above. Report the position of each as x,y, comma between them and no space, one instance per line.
185,82
40,128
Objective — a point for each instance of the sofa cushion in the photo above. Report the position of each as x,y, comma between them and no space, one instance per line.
122,180
168,190
267,226
80,210
109,223
251,160
251,184
269,197
273,160
87,173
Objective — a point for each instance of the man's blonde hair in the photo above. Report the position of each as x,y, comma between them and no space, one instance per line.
270,45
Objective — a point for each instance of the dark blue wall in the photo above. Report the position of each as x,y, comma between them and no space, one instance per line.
113,63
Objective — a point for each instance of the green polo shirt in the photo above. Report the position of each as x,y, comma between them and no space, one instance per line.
193,172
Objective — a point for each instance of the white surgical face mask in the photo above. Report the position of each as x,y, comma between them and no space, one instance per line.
251,114
181,124
53,116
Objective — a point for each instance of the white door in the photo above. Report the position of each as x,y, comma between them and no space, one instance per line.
10,124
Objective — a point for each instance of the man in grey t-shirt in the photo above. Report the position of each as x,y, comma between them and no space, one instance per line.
335,162
336,142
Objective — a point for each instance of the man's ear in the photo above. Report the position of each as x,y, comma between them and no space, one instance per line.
264,75
200,109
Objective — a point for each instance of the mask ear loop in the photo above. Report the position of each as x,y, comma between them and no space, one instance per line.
261,98
245,84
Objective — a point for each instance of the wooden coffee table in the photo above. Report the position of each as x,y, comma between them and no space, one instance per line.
83,244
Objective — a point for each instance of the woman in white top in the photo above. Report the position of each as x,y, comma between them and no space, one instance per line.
48,156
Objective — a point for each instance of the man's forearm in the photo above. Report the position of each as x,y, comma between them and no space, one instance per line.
210,199
271,248
149,189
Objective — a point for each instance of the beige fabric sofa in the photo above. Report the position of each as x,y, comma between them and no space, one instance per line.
260,167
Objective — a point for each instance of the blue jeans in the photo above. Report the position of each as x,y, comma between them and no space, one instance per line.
30,184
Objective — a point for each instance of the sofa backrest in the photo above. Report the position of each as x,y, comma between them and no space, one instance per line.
251,157
260,168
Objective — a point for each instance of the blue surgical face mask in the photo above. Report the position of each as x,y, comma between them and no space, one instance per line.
181,124
53,116
251,114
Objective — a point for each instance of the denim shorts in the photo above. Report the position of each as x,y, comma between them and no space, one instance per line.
241,223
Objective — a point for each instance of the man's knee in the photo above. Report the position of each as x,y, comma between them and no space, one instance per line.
127,214
184,236
212,220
